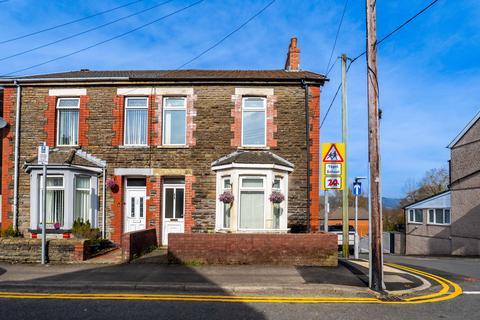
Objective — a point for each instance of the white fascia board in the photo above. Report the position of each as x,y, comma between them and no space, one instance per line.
67,92
464,131
133,171
440,201
251,166
135,91
254,91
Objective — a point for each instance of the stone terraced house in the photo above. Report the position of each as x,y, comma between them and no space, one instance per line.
134,150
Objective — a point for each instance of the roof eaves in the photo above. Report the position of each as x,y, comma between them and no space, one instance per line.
464,131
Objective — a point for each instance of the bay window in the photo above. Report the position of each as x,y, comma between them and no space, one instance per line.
227,207
253,121
174,121
252,203
136,121
55,202
67,121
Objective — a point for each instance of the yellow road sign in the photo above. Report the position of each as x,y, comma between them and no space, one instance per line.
333,166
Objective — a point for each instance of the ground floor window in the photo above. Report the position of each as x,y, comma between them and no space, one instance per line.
252,203
439,216
415,215
71,195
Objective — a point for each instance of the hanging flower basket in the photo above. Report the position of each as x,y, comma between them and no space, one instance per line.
112,185
56,225
226,197
276,197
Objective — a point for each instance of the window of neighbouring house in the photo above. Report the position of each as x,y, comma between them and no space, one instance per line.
67,121
82,199
174,121
252,203
227,207
253,122
415,215
439,216
136,121
55,203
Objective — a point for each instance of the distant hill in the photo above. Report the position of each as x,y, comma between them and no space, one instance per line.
391,203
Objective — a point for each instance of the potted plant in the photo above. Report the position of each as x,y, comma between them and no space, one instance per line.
276,197
226,197
112,185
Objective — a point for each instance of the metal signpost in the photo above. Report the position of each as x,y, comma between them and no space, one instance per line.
333,172
357,190
43,159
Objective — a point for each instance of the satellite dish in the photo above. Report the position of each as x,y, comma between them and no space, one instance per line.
3,123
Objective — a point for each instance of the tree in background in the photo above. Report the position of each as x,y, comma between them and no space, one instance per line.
433,182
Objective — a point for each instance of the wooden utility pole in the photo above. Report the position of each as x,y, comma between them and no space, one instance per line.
376,266
345,233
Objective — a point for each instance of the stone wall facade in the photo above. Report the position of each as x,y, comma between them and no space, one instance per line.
315,249
209,137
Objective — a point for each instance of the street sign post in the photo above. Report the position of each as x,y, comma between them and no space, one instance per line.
333,172
42,157
357,191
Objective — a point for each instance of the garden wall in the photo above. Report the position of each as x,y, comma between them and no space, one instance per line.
137,243
316,249
21,250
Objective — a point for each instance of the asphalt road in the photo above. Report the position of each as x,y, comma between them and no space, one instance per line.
465,272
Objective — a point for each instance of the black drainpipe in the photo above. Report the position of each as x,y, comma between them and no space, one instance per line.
307,140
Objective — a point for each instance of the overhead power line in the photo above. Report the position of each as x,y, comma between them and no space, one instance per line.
378,43
84,32
105,41
327,70
69,22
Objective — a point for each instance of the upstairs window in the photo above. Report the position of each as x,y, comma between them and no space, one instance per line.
253,122
439,216
67,121
136,121
174,121
415,215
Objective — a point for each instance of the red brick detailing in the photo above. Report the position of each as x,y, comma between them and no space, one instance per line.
116,223
314,114
136,243
82,121
271,125
117,126
151,119
189,207
156,133
318,249
236,126
191,126
293,56
7,157
51,120
153,203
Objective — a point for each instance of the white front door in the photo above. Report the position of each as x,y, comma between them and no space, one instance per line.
173,210
135,209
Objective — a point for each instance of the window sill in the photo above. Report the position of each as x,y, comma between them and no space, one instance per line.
173,147
411,222
133,147
439,224
51,231
253,148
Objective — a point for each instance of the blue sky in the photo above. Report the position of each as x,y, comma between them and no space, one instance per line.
428,72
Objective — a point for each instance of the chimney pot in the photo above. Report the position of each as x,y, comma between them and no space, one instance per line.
293,56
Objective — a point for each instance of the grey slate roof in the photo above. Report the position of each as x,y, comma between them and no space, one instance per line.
68,157
252,157
183,75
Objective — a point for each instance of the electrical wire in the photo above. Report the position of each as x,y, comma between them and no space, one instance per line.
327,70
68,23
85,31
105,41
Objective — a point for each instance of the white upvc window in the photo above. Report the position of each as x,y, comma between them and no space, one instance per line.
174,121
254,122
82,209
415,215
439,216
277,186
55,208
252,203
227,207
136,121
67,121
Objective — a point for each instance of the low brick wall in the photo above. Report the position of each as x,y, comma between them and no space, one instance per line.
21,250
316,249
137,243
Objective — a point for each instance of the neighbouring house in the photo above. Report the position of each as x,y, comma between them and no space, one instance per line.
135,150
429,226
465,189
335,217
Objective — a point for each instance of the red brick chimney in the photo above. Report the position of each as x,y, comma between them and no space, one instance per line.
293,56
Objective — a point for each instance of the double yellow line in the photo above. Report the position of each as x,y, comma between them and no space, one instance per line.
449,290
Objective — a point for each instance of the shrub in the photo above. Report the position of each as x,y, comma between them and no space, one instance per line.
9,233
84,230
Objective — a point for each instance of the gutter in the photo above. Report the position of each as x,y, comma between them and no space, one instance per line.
16,156
307,140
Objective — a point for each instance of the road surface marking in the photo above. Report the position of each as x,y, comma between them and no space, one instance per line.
442,295
471,292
